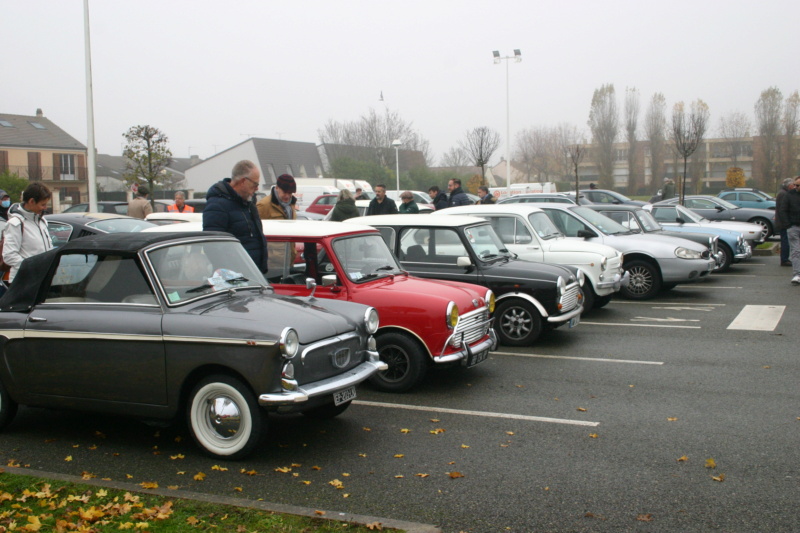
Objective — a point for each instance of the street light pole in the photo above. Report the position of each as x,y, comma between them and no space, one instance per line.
517,57
396,144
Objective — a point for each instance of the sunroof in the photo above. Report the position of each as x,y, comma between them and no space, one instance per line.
6,124
37,125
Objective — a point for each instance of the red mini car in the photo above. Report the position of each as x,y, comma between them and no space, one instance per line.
423,322
322,204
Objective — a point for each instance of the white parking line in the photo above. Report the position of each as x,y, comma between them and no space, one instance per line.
477,413
637,325
662,303
758,318
594,359
695,286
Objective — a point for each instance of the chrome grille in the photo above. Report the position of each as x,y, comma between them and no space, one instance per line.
474,325
570,299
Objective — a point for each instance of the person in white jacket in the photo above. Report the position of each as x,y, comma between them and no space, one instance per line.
25,234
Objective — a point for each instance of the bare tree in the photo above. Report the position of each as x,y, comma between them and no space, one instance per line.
688,132
576,152
768,123
791,125
565,136
455,157
734,128
655,125
534,149
604,123
480,144
631,125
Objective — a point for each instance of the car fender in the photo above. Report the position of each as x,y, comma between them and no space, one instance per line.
400,329
527,297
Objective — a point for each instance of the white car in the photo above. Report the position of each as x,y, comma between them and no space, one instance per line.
166,218
678,215
527,231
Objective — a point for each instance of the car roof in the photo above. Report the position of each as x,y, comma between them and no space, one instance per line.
517,209
171,215
278,228
416,220
82,217
614,207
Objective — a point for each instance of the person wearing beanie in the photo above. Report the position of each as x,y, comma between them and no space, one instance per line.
279,204
5,203
140,206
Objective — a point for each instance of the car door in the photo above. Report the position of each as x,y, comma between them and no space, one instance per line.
434,253
517,237
96,335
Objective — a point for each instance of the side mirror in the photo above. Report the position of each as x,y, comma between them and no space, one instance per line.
680,220
586,234
311,285
328,280
464,262
719,208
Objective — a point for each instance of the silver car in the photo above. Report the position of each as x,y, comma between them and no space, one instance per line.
654,262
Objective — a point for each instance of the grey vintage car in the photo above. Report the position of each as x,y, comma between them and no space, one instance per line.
156,326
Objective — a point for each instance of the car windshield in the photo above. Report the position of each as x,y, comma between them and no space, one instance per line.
365,257
544,227
647,221
690,216
120,225
485,242
601,222
190,270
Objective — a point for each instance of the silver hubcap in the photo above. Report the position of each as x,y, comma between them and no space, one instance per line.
224,417
641,281
517,323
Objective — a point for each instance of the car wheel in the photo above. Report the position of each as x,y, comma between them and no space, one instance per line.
517,322
645,281
589,297
407,362
8,408
224,418
327,411
727,257
764,223
602,301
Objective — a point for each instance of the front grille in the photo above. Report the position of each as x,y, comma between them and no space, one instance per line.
329,357
474,325
570,299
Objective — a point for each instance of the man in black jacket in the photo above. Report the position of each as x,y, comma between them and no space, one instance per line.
381,205
788,185
789,217
457,194
229,208
438,198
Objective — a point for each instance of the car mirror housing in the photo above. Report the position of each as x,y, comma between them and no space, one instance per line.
680,220
586,233
328,280
463,262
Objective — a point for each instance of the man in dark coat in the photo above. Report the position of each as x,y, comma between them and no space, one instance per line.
788,185
229,208
457,194
789,216
381,205
486,196
438,198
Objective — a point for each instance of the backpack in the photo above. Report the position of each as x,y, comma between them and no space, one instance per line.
5,267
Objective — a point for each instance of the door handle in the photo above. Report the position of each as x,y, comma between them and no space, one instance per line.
36,319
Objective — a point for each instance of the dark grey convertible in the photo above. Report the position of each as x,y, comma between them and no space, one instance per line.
156,326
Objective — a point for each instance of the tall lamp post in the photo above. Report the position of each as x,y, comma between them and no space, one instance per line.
517,57
396,144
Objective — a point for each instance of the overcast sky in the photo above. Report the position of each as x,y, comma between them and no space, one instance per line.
211,73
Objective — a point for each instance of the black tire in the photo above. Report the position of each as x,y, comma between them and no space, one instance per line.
602,301
668,286
517,322
8,407
589,297
727,259
224,417
645,280
408,363
764,223
324,412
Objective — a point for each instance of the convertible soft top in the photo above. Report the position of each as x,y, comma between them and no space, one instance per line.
24,291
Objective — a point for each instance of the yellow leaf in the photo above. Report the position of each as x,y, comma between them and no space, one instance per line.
306,482
192,521
68,458
362,455
237,489
719,478
316,468
375,525
178,438
581,409
220,468
248,472
345,474
173,487
645,517
593,435
199,476
710,463
179,456
283,469
454,475
336,484
398,455
294,465
128,476
672,419
319,512
509,432
180,473
366,429
345,495
422,475
400,476
93,447
767,367
405,430
102,493
434,420
464,446
682,458
437,431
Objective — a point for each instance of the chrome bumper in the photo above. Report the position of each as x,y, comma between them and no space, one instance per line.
566,316
619,281
746,253
488,344
352,377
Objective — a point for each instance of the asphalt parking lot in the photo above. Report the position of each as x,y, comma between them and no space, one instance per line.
611,426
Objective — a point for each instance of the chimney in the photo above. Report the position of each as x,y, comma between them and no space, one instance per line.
39,112
193,160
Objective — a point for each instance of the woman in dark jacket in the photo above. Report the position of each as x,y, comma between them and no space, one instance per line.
345,207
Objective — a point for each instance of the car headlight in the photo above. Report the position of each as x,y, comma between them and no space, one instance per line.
561,285
685,253
452,315
581,277
289,343
603,263
371,320
490,301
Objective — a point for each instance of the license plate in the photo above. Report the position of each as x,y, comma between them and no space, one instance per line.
476,358
343,396
574,321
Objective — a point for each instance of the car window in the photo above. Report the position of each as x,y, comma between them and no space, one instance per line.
364,257
665,214
647,221
485,242
389,235
624,218
510,229
543,226
566,223
600,197
437,245
121,225
122,209
77,208
599,221
102,278
59,232
749,197
699,203
728,195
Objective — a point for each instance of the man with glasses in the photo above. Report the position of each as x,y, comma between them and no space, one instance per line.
230,208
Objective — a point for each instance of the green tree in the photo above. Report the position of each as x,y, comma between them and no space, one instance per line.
347,168
13,185
147,154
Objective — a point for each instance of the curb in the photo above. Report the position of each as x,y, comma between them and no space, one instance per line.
773,249
362,520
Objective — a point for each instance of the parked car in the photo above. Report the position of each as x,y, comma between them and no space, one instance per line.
670,215
726,246
748,198
65,227
606,197
166,218
322,204
540,197
654,262
714,208
422,199
305,215
530,296
362,206
424,322
528,232
120,208
158,325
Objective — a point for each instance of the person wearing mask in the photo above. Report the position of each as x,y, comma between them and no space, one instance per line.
26,233
438,198
409,206
229,208
5,203
345,206
140,206
457,194
180,204
486,196
381,205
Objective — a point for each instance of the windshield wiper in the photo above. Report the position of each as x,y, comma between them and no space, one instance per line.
376,273
199,288
240,279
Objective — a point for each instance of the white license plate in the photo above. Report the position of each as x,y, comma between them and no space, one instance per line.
476,358
574,321
343,396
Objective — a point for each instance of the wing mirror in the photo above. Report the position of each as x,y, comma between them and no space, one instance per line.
586,234
328,280
464,262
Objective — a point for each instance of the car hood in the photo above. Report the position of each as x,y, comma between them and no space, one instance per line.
708,228
649,242
526,270
564,244
422,293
